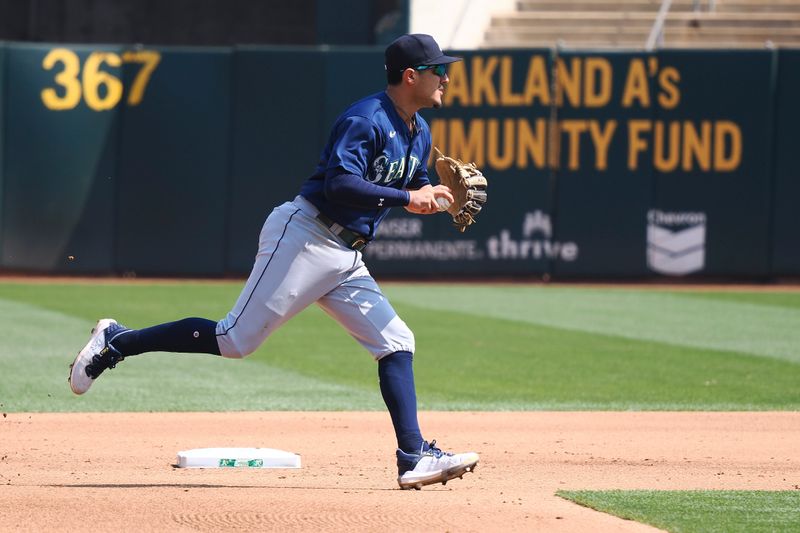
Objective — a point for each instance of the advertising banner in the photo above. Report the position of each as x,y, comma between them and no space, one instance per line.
601,189
709,146
612,164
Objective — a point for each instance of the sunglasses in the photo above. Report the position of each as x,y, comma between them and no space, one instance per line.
439,70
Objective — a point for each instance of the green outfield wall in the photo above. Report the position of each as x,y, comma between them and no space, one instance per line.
157,161
59,162
173,179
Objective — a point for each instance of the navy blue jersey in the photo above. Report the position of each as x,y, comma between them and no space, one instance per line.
370,140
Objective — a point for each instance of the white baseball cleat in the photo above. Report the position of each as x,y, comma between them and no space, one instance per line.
96,356
432,465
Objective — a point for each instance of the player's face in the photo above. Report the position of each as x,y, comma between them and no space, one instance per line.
431,86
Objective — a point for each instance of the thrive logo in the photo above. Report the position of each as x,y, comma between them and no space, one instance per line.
676,242
536,242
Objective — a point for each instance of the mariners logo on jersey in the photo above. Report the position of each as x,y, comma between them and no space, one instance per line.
385,171
372,142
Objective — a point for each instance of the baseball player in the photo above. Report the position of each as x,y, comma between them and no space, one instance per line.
310,251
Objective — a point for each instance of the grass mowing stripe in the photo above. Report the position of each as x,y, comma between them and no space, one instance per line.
671,318
36,352
527,366
786,299
136,305
508,365
730,321
699,511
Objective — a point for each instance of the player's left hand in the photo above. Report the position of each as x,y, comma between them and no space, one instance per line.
468,185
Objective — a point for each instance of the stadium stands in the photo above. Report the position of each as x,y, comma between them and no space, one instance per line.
628,24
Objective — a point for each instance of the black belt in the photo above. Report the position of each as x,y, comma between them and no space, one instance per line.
353,240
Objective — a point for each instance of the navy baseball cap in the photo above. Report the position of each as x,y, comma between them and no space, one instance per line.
413,50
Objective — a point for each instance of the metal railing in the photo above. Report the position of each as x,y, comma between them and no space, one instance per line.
656,37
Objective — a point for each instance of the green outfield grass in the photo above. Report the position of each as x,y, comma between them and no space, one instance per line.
699,511
481,347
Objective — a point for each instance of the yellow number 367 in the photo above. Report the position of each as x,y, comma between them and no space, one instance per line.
93,78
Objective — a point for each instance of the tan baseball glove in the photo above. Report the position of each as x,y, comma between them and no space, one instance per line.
468,185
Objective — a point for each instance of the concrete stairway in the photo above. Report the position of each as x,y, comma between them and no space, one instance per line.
626,24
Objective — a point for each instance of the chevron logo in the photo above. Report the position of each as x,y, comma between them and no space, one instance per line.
676,252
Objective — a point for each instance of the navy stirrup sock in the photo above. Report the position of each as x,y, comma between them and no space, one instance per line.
190,335
397,388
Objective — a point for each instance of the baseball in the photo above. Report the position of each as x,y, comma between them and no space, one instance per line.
443,203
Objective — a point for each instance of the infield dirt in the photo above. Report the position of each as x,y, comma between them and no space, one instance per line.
114,471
